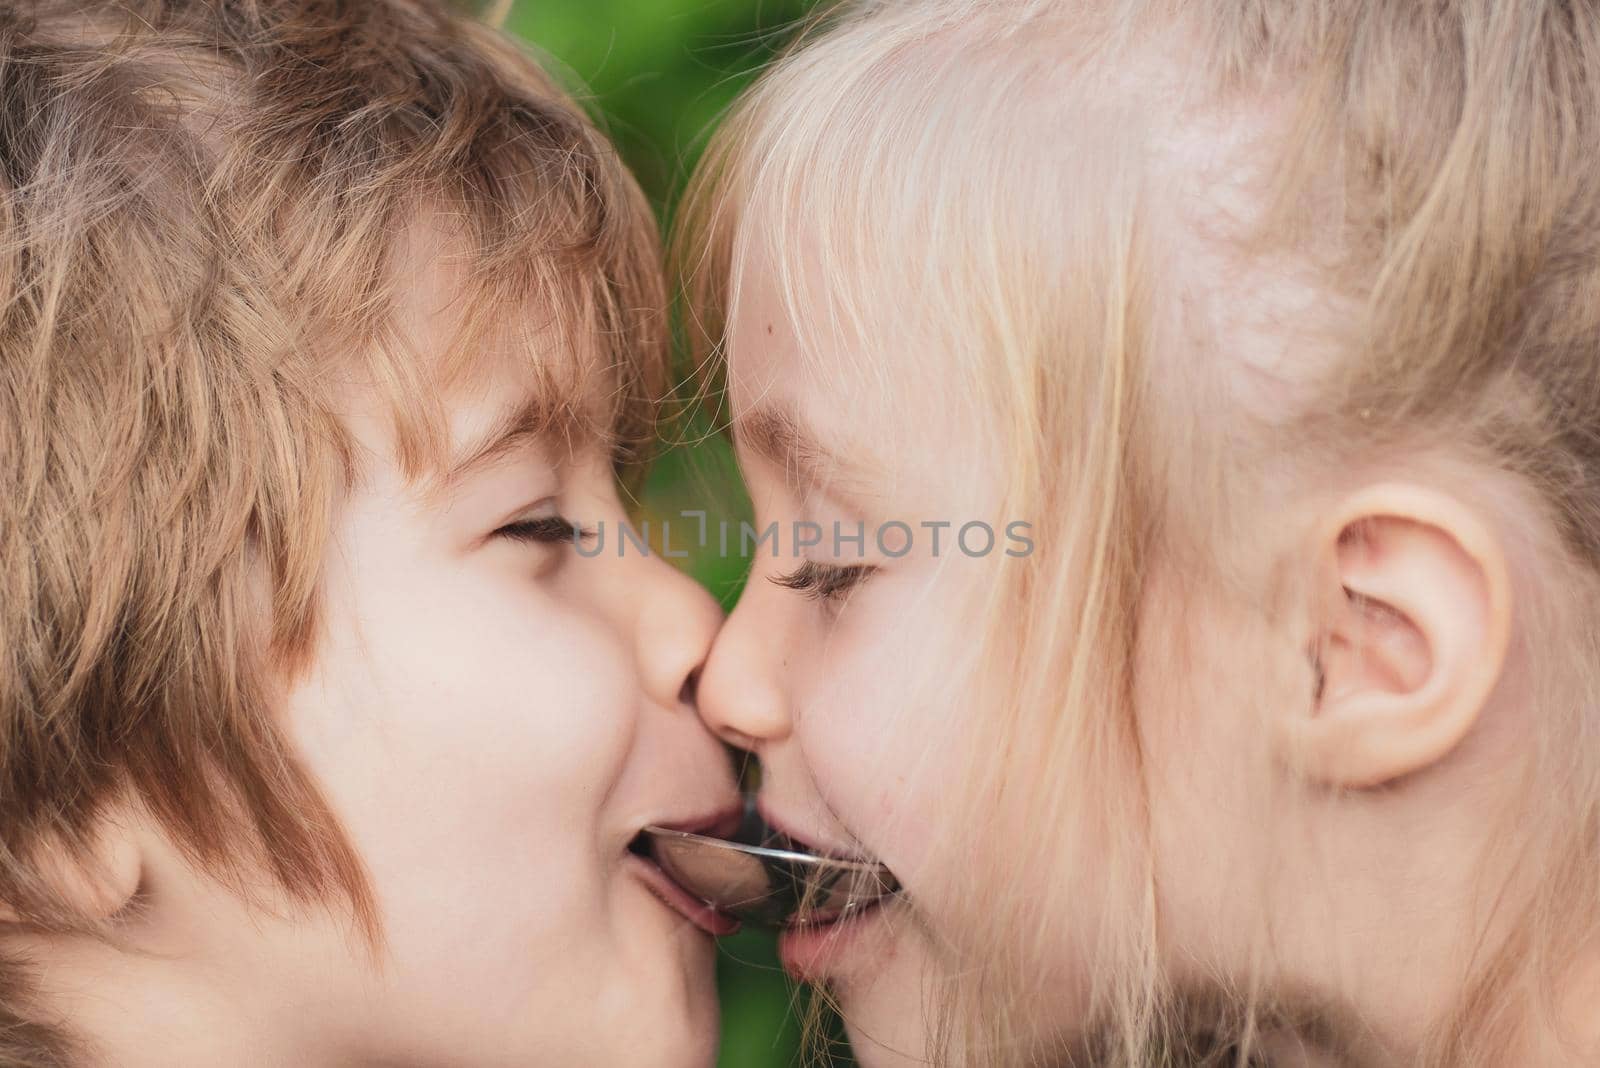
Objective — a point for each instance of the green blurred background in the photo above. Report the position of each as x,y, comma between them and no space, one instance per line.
658,74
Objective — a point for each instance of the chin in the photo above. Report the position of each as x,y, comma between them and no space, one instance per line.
664,1027
677,1041
885,1006
698,1027
884,1040
673,968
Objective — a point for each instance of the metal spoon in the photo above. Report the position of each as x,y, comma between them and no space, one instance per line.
772,884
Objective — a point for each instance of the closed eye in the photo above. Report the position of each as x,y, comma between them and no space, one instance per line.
825,582
545,530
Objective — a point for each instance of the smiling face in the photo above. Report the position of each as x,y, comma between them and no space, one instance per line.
1190,789
1270,756
492,717
343,755
852,669
840,664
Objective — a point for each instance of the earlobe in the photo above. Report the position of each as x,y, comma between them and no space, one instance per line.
1413,618
95,886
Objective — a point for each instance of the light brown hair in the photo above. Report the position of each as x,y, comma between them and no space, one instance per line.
200,205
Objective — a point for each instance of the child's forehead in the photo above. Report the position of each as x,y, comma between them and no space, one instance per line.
508,410
474,374
432,295
866,413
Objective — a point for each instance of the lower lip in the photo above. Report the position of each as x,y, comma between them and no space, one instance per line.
809,954
680,900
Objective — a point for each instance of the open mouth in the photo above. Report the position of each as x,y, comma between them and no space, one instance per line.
669,891
811,951
764,877
832,887
814,940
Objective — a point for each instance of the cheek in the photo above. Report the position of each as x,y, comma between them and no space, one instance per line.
882,744
1204,696
464,722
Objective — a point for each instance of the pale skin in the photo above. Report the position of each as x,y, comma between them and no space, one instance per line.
492,719
1405,751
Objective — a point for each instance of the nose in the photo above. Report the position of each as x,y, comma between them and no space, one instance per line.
676,620
741,691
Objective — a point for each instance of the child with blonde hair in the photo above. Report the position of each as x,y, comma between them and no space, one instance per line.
1277,326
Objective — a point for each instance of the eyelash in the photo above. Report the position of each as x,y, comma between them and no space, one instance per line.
825,582
545,530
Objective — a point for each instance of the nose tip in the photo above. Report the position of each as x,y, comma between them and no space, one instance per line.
676,628
739,694
733,736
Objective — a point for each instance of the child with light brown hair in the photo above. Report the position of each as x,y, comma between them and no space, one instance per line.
1278,324
318,744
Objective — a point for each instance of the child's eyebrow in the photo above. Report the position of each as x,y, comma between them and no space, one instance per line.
782,438
533,420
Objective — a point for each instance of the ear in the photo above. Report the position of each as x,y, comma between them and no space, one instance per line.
1413,615
96,884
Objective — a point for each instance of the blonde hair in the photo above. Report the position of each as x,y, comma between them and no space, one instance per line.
906,171
201,214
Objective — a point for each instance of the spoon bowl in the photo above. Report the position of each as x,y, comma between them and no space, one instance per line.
771,884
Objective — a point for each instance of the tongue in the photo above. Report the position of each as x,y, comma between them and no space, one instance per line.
680,900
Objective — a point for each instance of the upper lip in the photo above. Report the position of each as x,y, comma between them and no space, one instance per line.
721,823
811,843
